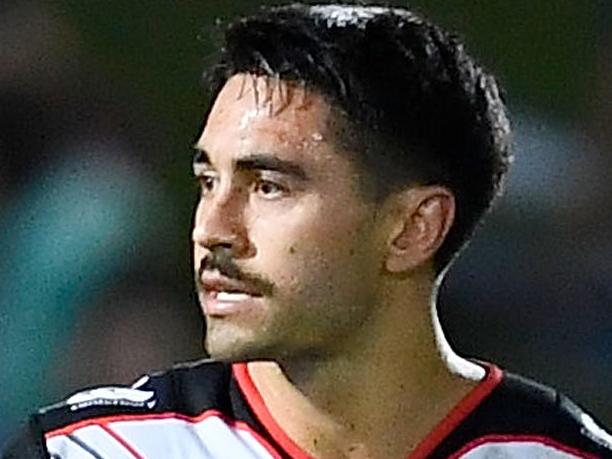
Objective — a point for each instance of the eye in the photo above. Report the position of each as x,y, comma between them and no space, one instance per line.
207,182
269,189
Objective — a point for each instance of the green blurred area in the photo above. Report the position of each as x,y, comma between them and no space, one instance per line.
542,51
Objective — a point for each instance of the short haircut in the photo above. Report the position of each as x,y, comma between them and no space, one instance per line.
422,110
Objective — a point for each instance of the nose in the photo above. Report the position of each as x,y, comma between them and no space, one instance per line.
219,224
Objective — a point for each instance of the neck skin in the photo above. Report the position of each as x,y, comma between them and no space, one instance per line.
379,396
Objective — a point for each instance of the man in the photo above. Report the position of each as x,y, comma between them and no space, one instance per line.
347,157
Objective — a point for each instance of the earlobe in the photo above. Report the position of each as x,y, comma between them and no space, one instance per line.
428,214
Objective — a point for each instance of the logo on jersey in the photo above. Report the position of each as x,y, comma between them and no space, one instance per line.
594,432
112,396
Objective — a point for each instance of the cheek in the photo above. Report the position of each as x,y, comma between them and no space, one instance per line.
314,244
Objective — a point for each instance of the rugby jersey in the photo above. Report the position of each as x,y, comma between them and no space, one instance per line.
213,410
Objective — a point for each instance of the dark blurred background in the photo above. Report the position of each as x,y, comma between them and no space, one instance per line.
100,102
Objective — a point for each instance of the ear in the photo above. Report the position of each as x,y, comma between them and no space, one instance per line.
423,219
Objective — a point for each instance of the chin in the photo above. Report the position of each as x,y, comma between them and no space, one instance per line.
236,348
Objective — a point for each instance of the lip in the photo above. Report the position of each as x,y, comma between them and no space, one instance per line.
241,297
216,283
214,307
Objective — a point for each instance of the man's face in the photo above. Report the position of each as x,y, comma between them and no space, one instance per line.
284,249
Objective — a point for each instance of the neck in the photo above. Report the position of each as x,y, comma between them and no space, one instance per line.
383,393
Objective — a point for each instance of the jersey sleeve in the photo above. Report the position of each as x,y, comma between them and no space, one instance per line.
523,419
86,424
31,441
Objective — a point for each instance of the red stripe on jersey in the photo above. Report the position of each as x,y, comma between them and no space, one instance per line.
458,414
546,441
425,447
257,404
122,441
103,422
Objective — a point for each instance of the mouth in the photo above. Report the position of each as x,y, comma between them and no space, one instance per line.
222,297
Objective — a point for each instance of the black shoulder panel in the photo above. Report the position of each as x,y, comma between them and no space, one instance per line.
198,386
187,389
522,408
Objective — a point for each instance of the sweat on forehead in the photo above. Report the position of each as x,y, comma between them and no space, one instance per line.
249,103
260,96
271,94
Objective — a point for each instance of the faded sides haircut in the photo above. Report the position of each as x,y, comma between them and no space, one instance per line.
420,110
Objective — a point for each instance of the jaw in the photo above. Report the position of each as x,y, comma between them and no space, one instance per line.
226,340
234,340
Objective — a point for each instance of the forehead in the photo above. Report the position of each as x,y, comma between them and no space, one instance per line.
265,115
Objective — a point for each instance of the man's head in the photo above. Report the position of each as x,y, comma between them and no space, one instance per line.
344,145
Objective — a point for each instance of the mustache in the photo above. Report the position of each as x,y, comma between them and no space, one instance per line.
220,259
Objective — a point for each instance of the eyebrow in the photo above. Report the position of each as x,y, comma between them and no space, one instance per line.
200,157
255,162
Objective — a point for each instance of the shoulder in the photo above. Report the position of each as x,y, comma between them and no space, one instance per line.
186,391
543,408
523,418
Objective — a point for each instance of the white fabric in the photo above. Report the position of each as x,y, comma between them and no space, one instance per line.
516,450
211,438
92,437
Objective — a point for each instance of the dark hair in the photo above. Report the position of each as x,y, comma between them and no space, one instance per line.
422,110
